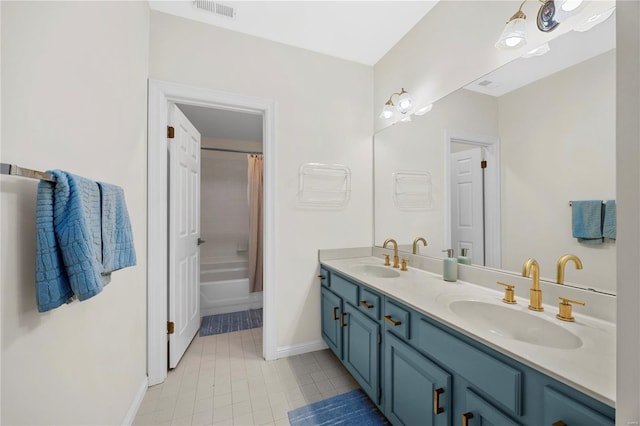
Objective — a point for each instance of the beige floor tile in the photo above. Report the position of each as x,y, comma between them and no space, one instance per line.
223,380
244,420
261,417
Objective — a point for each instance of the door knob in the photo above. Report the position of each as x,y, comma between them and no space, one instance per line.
201,241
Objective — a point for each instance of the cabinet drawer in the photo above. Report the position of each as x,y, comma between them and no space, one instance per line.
396,319
324,277
369,303
561,408
345,289
502,382
485,413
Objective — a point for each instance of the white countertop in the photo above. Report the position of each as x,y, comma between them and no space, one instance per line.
590,368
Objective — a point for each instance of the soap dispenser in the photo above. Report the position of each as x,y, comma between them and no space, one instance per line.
463,258
449,267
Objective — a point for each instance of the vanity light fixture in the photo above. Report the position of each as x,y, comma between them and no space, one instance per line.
566,8
550,14
515,33
405,102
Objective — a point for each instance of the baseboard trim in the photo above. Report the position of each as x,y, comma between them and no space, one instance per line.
301,348
135,404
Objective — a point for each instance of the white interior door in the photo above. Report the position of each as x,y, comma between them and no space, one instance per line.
184,231
467,210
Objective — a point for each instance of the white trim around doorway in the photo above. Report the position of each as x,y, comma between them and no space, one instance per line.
160,94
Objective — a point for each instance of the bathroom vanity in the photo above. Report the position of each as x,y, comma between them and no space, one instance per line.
429,352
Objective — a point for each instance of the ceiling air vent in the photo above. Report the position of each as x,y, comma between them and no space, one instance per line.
489,84
215,8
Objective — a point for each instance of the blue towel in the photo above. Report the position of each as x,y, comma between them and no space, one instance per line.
77,239
52,285
117,239
609,226
83,234
587,221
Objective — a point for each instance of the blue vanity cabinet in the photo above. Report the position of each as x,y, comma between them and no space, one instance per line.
560,409
427,373
331,306
351,328
417,391
361,353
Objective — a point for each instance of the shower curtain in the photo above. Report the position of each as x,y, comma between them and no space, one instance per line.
255,222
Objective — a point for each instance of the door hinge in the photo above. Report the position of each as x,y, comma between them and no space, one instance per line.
171,132
170,327
379,338
483,164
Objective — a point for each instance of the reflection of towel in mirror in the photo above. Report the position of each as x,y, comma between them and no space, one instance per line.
609,226
587,221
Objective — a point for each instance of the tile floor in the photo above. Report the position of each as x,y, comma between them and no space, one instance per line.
223,380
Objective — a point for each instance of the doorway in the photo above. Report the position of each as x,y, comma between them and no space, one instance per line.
465,148
161,95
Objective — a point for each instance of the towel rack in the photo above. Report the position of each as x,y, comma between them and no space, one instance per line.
13,170
571,203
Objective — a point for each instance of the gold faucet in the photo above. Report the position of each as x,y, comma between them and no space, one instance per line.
531,268
396,259
561,264
415,244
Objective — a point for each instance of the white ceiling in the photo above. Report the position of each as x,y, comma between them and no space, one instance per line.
223,124
358,31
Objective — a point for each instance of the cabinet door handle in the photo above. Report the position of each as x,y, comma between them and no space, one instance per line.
322,277
559,423
437,409
466,417
391,321
365,304
335,313
342,323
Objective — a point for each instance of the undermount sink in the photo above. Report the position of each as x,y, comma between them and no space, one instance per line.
377,271
515,324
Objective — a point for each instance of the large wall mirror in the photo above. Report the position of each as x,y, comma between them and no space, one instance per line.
545,126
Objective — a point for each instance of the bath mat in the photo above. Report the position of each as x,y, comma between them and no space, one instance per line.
352,408
233,321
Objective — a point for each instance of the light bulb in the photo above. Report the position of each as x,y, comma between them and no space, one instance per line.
404,102
387,111
514,34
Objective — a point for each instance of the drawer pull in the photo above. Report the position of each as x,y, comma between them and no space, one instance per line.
391,321
559,423
466,417
342,323
366,305
322,277
335,313
437,409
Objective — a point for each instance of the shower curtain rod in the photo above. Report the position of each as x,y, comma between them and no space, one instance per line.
231,150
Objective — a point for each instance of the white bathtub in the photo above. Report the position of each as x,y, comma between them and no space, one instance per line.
224,287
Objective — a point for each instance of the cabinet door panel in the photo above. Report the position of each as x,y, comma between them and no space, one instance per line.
410,383
362,350
331,330
558,407
485,414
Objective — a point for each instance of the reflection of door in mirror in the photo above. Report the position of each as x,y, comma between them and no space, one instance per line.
467,203
473,196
